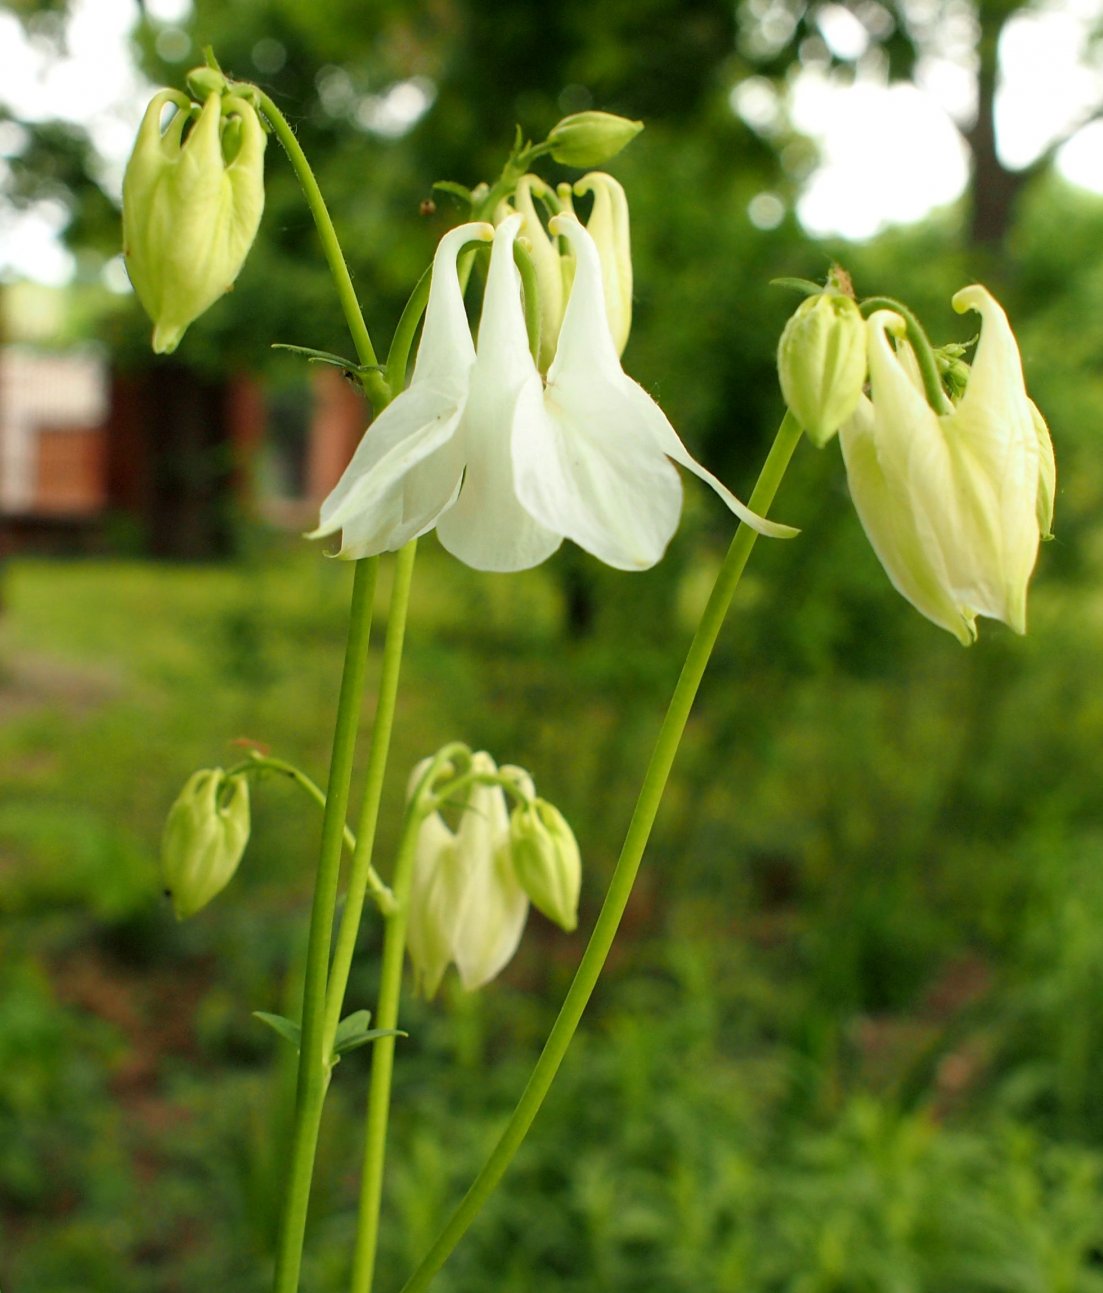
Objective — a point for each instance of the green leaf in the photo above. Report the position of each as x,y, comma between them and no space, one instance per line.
287,1028
353,1031
803,285
350,367
457,190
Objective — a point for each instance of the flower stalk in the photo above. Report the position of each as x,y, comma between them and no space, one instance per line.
620,886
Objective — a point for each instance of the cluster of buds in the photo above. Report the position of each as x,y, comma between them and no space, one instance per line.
472,885
204,838
193,194
950,466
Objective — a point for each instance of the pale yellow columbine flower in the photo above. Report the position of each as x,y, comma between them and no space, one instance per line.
954,504
467,905
191,208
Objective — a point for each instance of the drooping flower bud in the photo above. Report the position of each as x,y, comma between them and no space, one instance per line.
205,835
547,861
591,138
821,363
954,504
466,903
191,207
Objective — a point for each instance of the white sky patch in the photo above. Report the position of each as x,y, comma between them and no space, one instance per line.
95,85
1047,87
889,155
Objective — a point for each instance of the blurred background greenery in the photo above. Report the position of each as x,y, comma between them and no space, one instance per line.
851,1037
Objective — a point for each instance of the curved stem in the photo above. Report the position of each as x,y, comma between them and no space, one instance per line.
620,886
380,893
920,344
361,867
346,293
313,1073
398,357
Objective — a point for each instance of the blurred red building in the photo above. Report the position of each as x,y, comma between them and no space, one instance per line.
166,457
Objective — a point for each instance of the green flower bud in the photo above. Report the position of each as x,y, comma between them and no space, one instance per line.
205,835
591,138
546,859
191,207
202,82
821,362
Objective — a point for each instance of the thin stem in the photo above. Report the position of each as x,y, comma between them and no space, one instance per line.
346,293
361,867
620,886
382,1063
313,1074
398,357
920,344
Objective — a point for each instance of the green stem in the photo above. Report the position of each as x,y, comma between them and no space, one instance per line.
361,867
313,1073
382,1063
380,893
620,886
374,384
921,345
398,357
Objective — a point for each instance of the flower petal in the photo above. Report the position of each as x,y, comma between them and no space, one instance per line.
433,900
592,460
581,468
914,567
492,909
375,497
487,527
446,351
609,228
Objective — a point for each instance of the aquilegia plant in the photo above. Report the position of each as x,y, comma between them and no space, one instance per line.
506,446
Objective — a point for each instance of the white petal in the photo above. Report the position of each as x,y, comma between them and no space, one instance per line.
374,495
582,468
446,351
594,463
492,909
432,903
487,527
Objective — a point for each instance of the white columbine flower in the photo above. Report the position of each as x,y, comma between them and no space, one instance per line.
502,467
467,905
953,504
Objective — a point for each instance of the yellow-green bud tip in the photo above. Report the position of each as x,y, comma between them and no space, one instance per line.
821,362
591,138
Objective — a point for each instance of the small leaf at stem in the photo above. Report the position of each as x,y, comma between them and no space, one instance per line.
287,1028
457,190
804,285
353,1032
